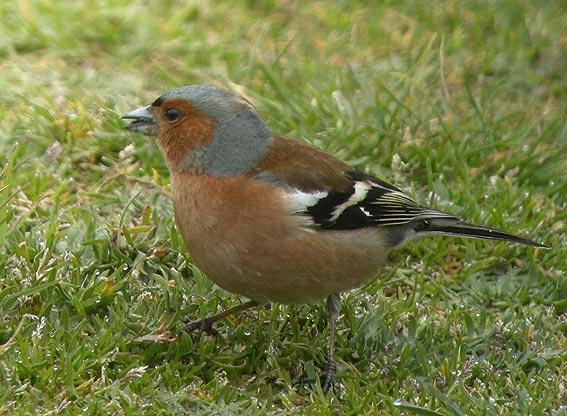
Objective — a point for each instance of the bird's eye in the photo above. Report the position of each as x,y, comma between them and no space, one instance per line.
171,114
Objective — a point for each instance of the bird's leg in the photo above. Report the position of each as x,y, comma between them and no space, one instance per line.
333,308
206,324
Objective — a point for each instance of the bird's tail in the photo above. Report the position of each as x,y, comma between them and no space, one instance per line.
457,227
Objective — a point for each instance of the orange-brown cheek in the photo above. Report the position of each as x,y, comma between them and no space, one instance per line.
177,140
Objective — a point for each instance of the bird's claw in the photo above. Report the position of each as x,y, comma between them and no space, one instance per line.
199,326
327,378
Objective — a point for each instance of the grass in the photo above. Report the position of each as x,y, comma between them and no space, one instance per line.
460,103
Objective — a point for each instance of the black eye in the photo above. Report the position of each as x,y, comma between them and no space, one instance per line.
171,114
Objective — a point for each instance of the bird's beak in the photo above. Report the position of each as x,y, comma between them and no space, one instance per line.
144,121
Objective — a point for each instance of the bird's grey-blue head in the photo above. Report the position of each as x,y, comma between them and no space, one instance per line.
238,141
213,101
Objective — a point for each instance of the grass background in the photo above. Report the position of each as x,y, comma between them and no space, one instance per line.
463,104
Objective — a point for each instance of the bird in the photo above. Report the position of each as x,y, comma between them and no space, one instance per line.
275,219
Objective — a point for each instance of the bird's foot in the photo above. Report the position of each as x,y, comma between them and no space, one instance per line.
206,324
327,378
201,326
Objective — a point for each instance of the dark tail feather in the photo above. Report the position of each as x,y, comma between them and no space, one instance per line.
464,229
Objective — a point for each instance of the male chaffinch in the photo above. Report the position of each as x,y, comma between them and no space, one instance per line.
276,219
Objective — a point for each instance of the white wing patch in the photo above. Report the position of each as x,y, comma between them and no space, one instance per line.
360,192
366,212
299,201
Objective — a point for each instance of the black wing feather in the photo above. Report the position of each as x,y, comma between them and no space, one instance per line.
382,204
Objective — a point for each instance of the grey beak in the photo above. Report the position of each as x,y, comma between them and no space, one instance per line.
144,121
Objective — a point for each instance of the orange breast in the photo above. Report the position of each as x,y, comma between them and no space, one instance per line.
244,237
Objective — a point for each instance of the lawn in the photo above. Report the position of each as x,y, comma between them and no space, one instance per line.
461,104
